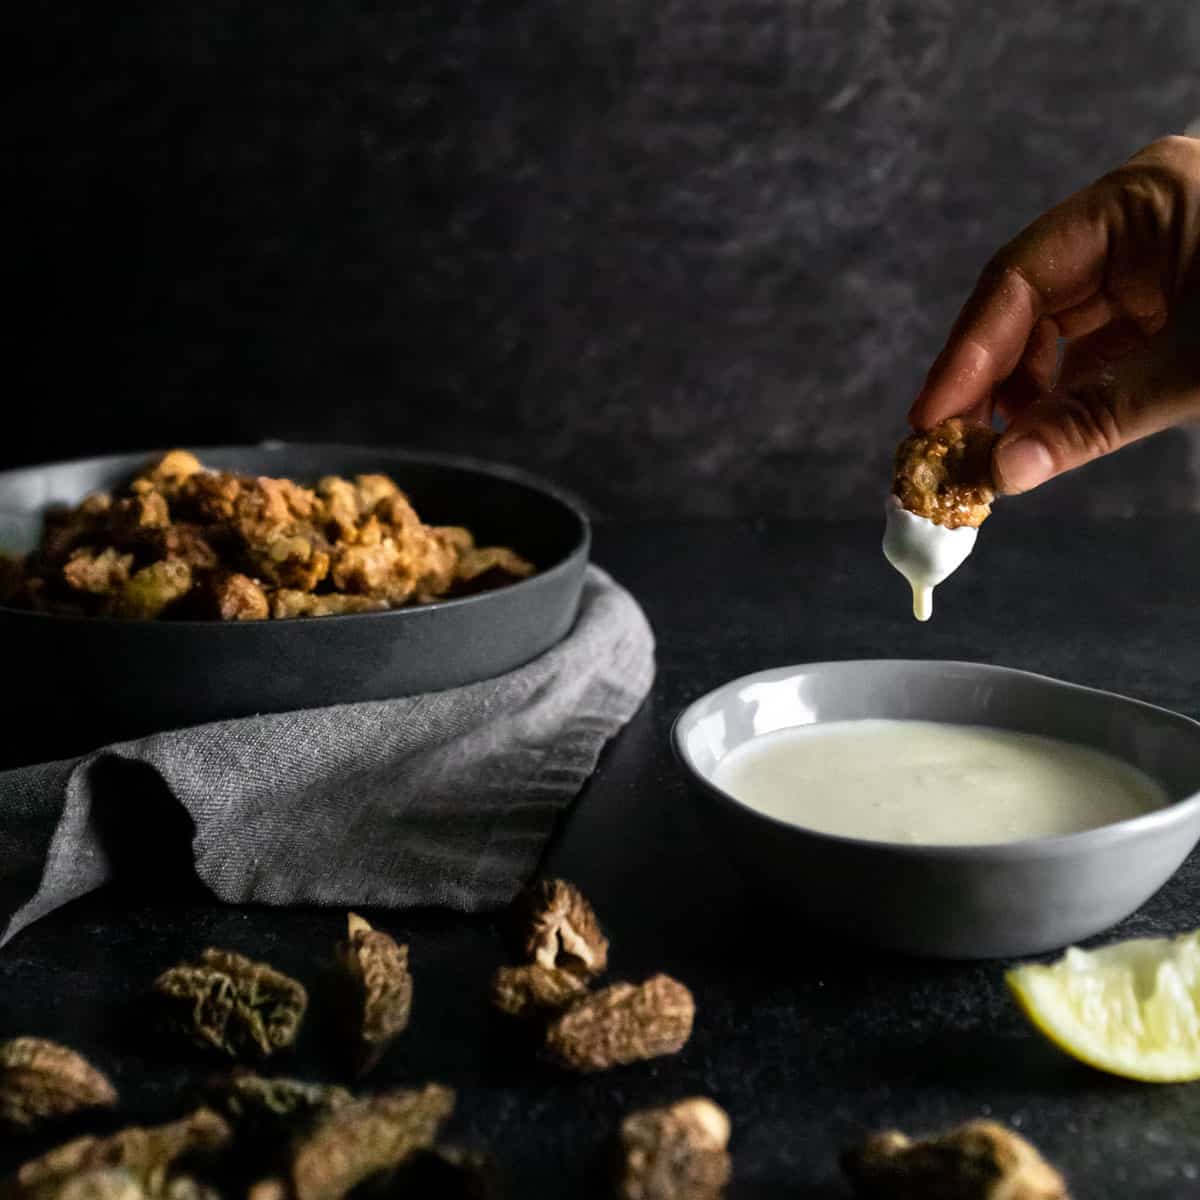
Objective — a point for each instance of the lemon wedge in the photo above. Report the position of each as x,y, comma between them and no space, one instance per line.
1131,1009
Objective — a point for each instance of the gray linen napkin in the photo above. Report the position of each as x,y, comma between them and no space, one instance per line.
443,799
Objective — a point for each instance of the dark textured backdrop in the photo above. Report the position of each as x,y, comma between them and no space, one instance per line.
684,255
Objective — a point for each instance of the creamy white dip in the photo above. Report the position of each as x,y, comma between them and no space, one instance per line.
924,553
929,783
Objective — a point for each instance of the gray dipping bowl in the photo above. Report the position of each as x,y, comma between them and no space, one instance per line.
959,902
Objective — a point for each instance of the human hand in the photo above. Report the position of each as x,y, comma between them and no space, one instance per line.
1115,269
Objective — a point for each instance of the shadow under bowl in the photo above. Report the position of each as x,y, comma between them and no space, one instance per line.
949,901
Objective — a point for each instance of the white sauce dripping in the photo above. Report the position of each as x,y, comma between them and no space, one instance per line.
924,553
928,783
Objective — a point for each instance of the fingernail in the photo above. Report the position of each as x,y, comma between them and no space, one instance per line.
1022,464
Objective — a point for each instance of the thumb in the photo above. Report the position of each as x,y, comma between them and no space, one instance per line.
1095,413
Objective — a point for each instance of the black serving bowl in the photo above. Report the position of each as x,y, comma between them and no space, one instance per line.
74,683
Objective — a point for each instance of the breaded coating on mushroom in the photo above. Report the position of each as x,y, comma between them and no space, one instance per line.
945,473
180,541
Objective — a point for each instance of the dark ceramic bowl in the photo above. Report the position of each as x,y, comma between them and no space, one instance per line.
979,901
74,682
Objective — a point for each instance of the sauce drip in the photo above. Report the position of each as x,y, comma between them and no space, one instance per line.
924,553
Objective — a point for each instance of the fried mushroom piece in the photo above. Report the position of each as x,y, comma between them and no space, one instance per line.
183,541
373,489
208,497
286,603
981,1160
168,474
102,573
339,507
490,567
189,543
394,557
148,593
134,518
945,474
271,520
291,560
64,529
237,597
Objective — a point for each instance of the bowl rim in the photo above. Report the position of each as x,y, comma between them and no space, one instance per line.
478,466
1175,813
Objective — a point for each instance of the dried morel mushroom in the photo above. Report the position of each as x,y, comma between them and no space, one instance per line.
259,1106
359,1140
945,474
622,1024
377,979
556,927
119,1184
675,1153
233,1004
534,991
100,1184
146,1154
41,1080
981,1160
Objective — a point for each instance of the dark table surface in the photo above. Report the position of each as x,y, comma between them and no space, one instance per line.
806,1044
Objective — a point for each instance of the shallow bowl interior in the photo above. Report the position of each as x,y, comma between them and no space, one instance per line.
962,901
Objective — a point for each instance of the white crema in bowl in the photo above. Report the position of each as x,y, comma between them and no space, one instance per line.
931,783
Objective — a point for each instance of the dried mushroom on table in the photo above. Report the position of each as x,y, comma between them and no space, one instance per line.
678,1152
146,1156
359,1140
233,1004
279,1138
261,1108
41,1080
185,541
534,991
555,926
981,1160
556,930
623,1023
118,1183
378,988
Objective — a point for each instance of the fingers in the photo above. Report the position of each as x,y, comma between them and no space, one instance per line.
1107,397
1117,251
1104,348
1057,265
1036,374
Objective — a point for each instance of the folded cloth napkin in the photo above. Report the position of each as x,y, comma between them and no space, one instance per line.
442,799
